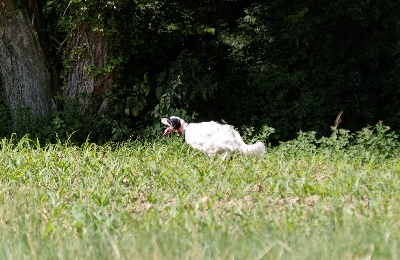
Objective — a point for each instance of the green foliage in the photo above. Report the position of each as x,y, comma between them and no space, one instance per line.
309,60
378,140
375,141
291,66
251,135
335,198
185,83
136,101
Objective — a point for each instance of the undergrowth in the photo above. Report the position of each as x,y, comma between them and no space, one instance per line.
310,198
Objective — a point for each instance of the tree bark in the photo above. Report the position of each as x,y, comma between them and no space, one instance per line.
25,75
87,80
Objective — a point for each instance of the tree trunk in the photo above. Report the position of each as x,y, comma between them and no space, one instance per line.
25,76
87,80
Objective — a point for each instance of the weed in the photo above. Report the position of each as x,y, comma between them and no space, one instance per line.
334,197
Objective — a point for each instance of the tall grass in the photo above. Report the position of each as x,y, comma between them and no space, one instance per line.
311,198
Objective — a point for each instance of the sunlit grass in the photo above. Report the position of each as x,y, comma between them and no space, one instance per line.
162,199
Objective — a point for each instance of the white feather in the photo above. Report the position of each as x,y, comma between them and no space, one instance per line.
214,138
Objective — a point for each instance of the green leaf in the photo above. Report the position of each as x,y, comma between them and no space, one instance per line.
172,27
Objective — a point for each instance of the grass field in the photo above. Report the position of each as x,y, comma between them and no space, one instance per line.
328,198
